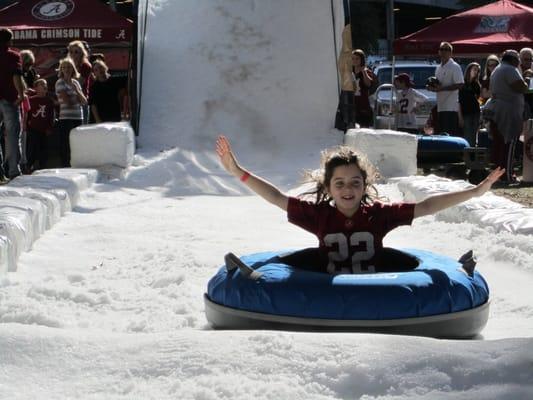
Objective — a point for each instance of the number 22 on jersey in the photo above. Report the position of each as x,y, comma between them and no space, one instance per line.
344,244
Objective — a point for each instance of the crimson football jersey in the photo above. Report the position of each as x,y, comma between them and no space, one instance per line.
41,114
350,245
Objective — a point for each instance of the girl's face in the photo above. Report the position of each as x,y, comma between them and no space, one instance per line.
347,188
492,64
75,53
356,60
474,72
99,72
67,69
41,89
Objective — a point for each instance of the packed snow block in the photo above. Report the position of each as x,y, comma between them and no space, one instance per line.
98,145
4,258
15,226
417,188
34,208
52,184
498,212
392,153
22,220
83,177
51,202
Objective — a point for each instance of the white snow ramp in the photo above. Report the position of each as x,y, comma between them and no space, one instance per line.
263,71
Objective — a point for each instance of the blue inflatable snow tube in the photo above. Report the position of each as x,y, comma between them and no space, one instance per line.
440,148
438,285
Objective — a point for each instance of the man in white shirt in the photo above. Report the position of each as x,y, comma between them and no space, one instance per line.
450,77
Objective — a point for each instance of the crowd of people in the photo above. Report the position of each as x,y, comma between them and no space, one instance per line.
501,93
31,110
501,90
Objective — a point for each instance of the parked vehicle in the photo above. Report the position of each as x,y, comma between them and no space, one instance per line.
419,71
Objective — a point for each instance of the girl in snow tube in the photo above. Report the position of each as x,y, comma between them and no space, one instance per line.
346,216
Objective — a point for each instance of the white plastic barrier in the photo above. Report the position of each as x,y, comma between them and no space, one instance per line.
32,203
99,145
392,153
83,177
50,202
34,208
15,225
22,219
51,184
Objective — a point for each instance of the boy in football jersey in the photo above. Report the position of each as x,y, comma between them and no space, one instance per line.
407,98
346,217
39,125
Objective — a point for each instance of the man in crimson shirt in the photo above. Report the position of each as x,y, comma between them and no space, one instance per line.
11,95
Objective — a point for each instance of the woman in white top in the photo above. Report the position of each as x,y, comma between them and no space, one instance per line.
71,99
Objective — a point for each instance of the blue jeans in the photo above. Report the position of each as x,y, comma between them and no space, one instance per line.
10,114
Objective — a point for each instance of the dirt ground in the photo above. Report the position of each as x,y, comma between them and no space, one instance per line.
520,193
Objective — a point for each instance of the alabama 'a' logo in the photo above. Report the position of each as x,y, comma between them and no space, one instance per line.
51,10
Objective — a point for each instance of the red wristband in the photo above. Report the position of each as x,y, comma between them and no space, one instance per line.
245,176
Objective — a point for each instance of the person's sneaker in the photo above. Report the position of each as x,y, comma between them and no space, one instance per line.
3,180
233,262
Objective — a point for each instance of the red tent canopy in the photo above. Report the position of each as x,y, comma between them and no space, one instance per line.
52,22
47,26
489,29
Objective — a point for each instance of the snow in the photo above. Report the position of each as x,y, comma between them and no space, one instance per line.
96,145
489,210
108,302
394,152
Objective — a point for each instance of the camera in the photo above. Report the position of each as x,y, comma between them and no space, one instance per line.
432,81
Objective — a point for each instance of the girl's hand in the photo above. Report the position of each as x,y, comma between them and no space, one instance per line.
487,183
227,159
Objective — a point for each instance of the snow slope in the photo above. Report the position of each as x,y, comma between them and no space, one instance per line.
260,72
108,303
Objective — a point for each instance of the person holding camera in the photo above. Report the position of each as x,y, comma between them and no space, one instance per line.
449,79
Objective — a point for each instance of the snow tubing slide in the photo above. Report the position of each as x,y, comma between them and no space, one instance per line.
436,298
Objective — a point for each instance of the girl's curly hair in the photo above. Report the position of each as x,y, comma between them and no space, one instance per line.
333,158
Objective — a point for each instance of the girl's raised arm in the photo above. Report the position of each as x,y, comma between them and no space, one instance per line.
439,202
260,186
